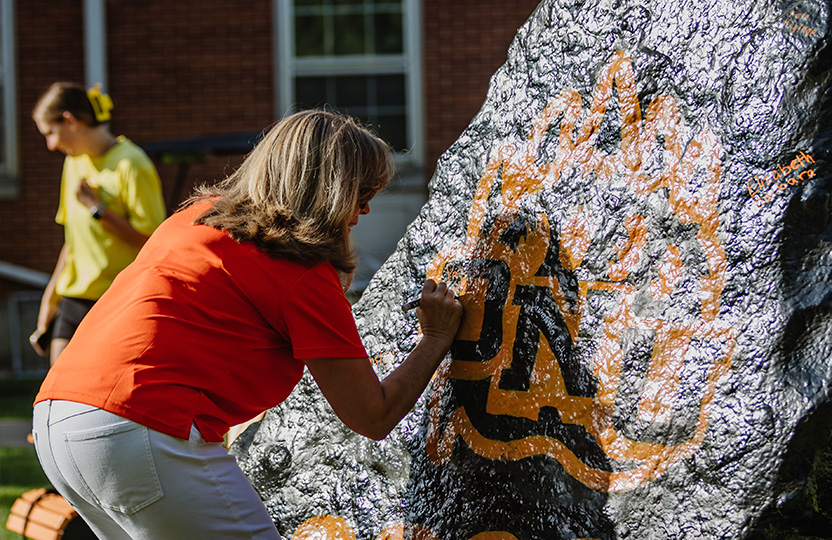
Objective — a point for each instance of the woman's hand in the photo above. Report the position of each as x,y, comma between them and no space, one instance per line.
87,195
115,223
439,311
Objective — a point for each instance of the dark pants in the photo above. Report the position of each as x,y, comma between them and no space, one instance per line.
70,313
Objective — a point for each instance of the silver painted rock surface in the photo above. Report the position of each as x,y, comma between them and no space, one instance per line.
638,219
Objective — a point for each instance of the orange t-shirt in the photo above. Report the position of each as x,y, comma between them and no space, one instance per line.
203,329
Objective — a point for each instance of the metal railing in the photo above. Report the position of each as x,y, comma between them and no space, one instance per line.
16,303
21,274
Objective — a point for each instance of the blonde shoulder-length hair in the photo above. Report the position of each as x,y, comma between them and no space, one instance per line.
295,193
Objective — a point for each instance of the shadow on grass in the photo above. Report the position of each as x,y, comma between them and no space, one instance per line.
17,396
19,472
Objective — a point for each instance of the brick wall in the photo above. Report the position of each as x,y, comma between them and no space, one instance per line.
176,69
188,67
465,42
49,48
194,67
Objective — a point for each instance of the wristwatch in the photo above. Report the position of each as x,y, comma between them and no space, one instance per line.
97,211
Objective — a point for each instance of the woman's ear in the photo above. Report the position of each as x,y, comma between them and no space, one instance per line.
70,120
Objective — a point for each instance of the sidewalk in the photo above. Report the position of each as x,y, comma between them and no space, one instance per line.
13,432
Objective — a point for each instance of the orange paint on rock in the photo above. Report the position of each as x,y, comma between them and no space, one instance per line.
324,528
669,273
630,253
522,177
494,535
578,229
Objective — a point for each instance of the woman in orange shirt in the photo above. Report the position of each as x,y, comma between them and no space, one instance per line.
212,324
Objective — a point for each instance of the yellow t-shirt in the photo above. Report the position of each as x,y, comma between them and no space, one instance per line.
128,185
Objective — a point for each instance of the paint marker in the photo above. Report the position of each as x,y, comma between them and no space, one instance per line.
413,304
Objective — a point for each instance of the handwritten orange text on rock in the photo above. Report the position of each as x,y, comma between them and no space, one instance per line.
762,188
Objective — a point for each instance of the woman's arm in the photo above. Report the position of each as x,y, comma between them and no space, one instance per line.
119,226
372,407
50,300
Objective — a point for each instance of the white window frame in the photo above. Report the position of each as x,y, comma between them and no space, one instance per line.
409,63
8,85
95,43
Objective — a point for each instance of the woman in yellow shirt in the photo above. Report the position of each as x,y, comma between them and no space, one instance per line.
110,203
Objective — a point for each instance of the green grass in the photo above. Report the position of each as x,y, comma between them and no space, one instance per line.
19,467
16,397
19,472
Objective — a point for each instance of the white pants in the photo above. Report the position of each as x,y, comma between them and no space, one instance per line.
131,482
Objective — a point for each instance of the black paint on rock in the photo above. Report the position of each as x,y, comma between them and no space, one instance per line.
639,216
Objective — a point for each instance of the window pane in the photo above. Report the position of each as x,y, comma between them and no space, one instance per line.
388,33
326,31
309,36
349,34
393,129
310,92
351,92
390,90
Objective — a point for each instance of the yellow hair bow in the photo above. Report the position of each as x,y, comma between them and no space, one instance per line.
101,104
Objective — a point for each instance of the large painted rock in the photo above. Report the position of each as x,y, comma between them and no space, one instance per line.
638,223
